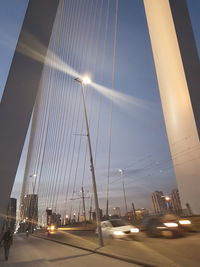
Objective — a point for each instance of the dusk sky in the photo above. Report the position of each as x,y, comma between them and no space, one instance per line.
139,141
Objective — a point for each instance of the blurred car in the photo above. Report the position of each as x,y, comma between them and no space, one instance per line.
51,229
118,228
168,225
185,224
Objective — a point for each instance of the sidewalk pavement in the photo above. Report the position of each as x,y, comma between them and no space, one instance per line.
37,252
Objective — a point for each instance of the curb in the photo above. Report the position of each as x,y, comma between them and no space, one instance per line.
100,253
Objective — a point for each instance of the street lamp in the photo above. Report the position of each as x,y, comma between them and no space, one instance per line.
167,198
122,177
168,202
86,80
82,81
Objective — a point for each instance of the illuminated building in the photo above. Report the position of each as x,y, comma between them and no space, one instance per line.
11,214
159,203
175,201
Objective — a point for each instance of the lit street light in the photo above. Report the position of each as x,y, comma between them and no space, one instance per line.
167,202
122,177
86,80
82,81
167,198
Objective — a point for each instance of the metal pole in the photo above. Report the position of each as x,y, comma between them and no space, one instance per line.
83,198
122,176
98,221
134,213
107,208
90,210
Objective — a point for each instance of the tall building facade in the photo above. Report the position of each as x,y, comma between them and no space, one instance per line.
56,219
30,210
176,202
159,203
11,214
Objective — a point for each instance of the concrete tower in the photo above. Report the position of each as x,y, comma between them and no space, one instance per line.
20,91
178,73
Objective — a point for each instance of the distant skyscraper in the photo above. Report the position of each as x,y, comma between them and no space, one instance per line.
159,202
175,201
116,211
31,208
56,219
49,216
11,213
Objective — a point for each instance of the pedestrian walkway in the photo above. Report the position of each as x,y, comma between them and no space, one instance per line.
36,252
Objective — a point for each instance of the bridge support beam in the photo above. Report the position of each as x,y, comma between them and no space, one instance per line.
178,73
21,90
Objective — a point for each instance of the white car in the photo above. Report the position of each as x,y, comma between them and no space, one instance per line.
118,228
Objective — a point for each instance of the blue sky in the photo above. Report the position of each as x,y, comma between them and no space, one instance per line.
140,143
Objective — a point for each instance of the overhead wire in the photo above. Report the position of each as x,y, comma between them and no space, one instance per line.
49,141
62,103
71,135
69,89
69,83
56,103
84,56
111,106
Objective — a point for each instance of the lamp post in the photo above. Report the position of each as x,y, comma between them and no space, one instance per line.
122,177
168,202
82,81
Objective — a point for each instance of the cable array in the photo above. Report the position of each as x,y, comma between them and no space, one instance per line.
83,41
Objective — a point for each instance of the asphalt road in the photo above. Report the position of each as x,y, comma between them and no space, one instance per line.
37,252
182,252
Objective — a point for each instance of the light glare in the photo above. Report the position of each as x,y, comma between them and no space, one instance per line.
118,233
134,230
171,224
184,222
86,80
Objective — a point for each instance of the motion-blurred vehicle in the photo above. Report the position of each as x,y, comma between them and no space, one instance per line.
118,228
51,229
168,225
185,224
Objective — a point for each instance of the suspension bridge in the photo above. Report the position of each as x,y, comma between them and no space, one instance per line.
64,67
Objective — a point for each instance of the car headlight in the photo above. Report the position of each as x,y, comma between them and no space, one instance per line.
135,230
171,224
52,228
118,233
185,222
